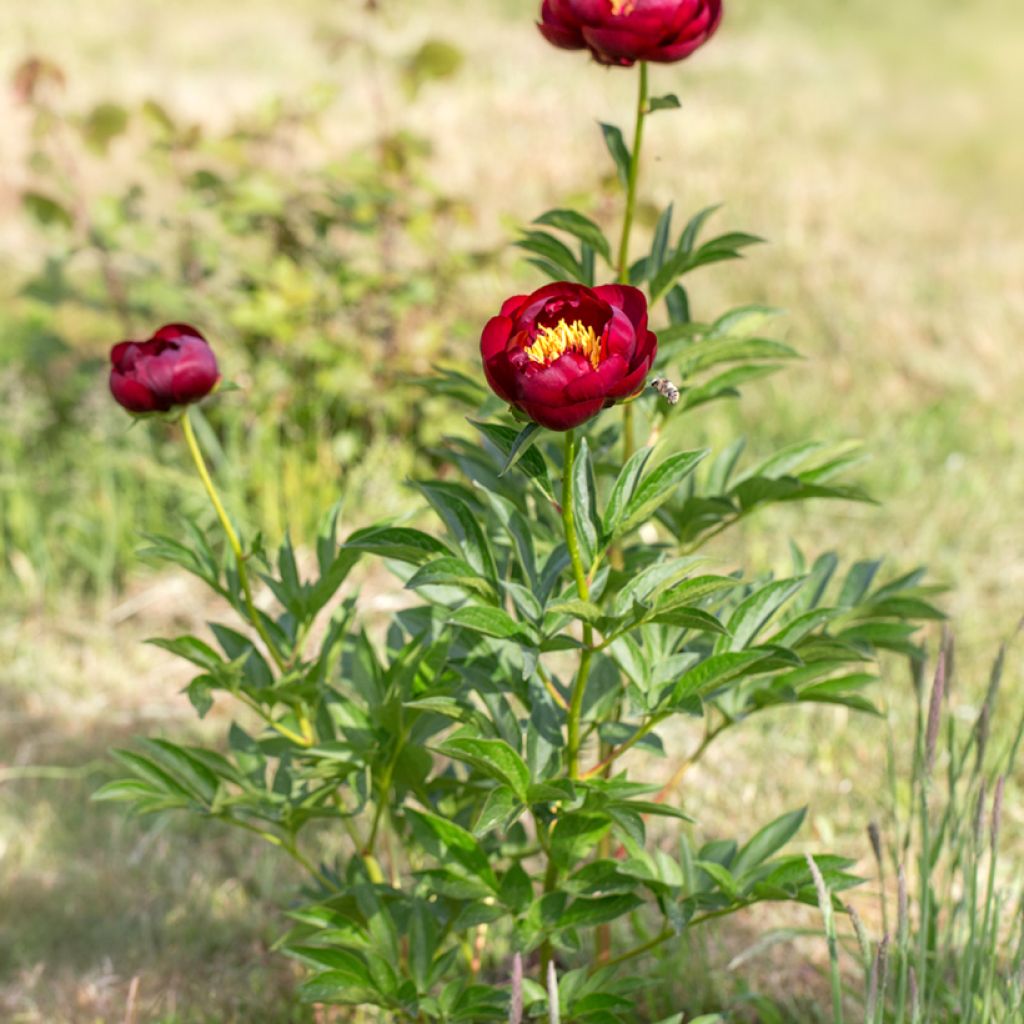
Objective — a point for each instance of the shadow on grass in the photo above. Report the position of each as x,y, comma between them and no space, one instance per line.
93,900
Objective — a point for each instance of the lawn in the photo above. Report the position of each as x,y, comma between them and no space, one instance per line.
876,147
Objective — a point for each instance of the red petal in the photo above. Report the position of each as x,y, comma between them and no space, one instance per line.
132,395
561,417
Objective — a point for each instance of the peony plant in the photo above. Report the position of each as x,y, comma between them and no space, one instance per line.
485,790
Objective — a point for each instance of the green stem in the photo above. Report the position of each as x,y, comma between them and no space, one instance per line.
547,950
628,442
669,933
289,847
641,733
232,536
634,176
282,730
583,590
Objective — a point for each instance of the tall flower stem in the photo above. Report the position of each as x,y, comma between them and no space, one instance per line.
628,444
583,590
233,541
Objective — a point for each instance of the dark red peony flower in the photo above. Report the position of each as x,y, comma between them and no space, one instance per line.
175,367
624,31
566,352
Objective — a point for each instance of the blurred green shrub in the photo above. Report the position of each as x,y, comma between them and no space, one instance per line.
322,278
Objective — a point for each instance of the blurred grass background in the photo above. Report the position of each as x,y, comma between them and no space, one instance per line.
329,193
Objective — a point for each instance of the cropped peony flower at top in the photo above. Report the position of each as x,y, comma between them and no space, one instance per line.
566,352
621,32
176,367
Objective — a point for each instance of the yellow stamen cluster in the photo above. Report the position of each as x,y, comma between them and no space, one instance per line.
622,7
553,342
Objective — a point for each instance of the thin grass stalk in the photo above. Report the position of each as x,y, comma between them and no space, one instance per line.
925,860
827,913
554,1012
878,983
903,943
875,837
515,1002
967,965
989,927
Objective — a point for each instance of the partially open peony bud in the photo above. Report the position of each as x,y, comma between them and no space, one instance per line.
174,368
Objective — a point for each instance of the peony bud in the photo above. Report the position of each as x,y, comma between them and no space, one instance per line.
174,368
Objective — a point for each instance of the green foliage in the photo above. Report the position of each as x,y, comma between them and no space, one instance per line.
442,751
482,753
321,288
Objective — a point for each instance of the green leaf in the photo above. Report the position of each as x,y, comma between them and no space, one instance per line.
584,499
452,572
678,303
491,622
46,210
579,227
587,912
516,890
726,384
434,60
459,510
104,123
768,841
501,806
191,649
754,613
669,102
721,876
401,543
575,835
460,844
714,351
493,757
659,244
531,461
714,672
620,152
657,488
126,791
688,239
585,611
521,446
624,489
553,251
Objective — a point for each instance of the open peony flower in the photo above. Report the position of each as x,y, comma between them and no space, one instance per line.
566,352
175,367
622,32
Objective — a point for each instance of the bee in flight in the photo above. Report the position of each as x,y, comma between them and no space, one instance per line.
666,389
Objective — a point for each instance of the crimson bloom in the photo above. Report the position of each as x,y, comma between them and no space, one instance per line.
566,352
175,367
622,32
